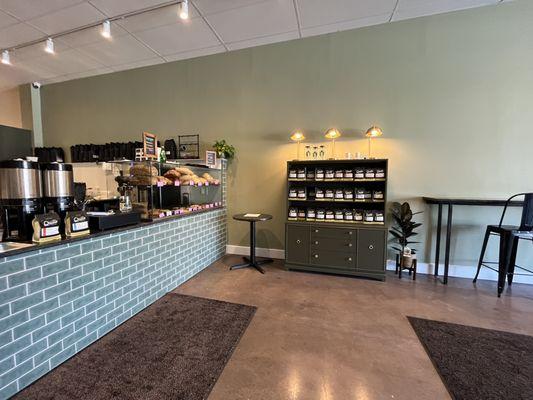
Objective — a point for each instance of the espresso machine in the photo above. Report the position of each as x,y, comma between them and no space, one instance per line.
58,189
20,198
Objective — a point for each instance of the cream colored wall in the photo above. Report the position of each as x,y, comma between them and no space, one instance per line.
452,93
10,108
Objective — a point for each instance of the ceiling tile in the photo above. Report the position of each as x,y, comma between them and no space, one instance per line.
207,7
78,75
282,37
18,33
122,50
178,37
6,20
138,64
27,9
67,18
266,18
163,16
343,26
317,12
418,8
116,7
11,76
196,53
91,35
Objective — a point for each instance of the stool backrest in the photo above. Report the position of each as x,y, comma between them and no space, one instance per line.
526,223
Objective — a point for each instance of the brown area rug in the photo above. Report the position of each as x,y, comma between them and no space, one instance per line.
175,349
476,363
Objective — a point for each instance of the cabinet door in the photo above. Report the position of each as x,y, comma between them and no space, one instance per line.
371,250
297,244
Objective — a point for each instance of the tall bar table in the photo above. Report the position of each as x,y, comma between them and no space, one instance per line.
252,260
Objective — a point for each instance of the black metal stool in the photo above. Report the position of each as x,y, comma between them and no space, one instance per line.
252,260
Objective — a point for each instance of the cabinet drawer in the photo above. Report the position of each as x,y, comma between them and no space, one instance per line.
346,244
339,233
371,250
297,244
332,259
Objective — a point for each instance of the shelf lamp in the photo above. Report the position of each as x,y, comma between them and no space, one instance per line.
372,132
297,137
332,134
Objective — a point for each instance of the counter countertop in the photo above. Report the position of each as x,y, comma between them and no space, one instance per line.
35,247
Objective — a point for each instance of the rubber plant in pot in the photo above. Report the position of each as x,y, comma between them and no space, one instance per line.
403,230
224,150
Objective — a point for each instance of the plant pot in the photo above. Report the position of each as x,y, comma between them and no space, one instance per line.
407,261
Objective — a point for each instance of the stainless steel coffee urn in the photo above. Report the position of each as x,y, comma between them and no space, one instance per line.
58,187
20,198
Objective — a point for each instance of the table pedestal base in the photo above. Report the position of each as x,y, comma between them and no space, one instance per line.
248,263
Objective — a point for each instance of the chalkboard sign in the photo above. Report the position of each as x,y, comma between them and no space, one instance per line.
150,145
211,158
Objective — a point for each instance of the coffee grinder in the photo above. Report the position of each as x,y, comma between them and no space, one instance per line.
20,198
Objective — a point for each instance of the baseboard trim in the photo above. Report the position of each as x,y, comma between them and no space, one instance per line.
457,271
259,251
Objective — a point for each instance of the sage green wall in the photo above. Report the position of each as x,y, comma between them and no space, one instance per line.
453,94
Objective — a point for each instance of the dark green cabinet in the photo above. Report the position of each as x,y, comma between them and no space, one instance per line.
336,249
297,244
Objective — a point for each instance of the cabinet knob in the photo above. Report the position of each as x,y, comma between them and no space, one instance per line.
371,247
316,230
298,241
349,258
316,255
316,242
350,233
350,245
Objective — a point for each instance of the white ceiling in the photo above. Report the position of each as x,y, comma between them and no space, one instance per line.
160,36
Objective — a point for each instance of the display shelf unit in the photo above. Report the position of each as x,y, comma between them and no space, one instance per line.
337,235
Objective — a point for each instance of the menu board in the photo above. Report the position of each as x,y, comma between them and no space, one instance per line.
150,145
211,158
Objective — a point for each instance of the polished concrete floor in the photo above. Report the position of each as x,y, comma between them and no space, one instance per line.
328,337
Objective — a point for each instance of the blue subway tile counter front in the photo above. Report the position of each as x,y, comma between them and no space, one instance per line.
55,301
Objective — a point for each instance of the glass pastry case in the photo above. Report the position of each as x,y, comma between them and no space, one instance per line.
160,190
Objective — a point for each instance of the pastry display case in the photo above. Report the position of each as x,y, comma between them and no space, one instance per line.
160,190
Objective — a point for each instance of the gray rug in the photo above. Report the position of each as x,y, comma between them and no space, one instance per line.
476,363
175,349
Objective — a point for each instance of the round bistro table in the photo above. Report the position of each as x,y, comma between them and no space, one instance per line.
252,260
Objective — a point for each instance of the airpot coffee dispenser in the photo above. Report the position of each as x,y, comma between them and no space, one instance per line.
58,189
20,198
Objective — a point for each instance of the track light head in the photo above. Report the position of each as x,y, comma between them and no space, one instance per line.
5,57
184,9
49,48
106,29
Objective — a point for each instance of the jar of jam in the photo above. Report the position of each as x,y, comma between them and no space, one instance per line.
320,214
293,213
301,214
368,195
339,174
369,216
358,216
293,174
348,194
359,173
329,194
348,174
378,216
293,193
339,194
311,214
301,173
302,193
319,174
378,195
319,193
370,173
360,194
339,215
329,173
310,175
348,215
380,173
330,216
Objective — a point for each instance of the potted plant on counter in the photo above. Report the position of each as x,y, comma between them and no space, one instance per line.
224,150
402,230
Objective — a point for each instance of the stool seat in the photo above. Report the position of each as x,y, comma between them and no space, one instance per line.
252,260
